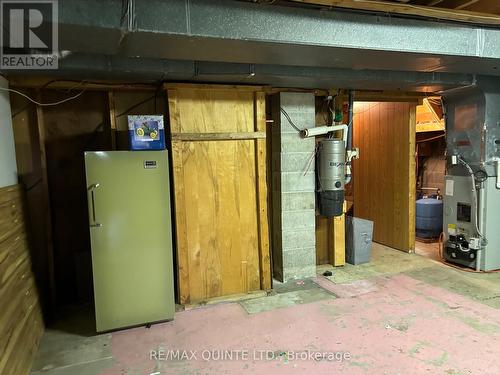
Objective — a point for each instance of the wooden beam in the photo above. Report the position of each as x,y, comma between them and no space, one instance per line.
485,6
430,127
409,9
211,87
51,83
262,203
46,203
412,179
316,92
218,136
183,289
466,4
112,119
389,96
337,230
455,4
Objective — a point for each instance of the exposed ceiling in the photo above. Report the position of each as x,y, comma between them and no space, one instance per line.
483,6
288,46
483,12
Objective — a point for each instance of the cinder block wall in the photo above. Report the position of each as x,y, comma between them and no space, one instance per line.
293,171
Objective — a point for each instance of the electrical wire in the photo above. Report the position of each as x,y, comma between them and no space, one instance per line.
136,105
43,104
366,110
311,158
475,197
290,120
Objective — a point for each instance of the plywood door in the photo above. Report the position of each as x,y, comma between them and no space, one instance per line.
218,150
384,175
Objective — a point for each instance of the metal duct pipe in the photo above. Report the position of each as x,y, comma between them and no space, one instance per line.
351,115
322,130
497,162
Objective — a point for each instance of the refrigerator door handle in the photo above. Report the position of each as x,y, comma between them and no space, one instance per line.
91,189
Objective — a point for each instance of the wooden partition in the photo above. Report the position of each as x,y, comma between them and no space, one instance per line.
21,323
50,144
384,175
219,161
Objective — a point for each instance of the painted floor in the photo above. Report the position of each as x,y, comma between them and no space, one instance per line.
427,249
400,314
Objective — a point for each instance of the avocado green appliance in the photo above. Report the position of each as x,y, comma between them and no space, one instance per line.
131,237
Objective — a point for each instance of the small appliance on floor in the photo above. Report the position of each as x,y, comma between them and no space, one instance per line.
131,237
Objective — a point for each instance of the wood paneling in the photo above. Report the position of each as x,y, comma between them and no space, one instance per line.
66,131
50,143
220,191
21,323
384,175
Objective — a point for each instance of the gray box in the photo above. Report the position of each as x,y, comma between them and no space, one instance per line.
359,236
458,191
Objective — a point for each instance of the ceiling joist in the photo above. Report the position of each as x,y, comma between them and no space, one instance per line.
406,8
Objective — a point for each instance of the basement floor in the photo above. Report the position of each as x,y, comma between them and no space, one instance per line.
402,313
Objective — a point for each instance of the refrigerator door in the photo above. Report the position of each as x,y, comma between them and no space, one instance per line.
131,236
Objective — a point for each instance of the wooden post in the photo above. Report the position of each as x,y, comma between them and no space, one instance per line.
112,118
412,178
46,203
337,231
260,161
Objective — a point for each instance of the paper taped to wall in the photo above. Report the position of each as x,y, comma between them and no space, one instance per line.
449,187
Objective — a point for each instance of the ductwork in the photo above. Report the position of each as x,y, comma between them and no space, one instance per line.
242,32
81,66
251,43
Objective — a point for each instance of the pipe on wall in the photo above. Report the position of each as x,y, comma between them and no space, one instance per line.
351,115
8,165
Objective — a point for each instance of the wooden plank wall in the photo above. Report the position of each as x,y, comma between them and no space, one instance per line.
21,322
219,161
29,155
50,143
66,131
384,175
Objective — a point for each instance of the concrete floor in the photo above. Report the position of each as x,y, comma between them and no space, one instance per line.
427,249
400,314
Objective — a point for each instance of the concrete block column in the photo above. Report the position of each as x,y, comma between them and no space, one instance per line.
293,171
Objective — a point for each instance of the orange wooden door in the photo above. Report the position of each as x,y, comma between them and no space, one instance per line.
384,175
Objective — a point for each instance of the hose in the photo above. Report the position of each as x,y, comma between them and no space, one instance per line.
474,195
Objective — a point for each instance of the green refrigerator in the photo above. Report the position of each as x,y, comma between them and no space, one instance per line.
131,237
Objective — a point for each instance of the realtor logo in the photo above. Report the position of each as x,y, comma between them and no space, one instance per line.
28,34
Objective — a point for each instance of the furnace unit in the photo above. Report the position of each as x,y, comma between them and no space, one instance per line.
471,216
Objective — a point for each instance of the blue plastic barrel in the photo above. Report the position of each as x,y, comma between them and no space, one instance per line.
429,218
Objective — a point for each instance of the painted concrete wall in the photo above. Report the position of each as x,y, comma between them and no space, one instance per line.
294,238
8,167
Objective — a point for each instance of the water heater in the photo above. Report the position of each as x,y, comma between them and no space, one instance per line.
331,176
